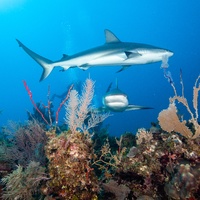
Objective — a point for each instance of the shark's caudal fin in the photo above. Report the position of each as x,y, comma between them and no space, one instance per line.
46,64
136,107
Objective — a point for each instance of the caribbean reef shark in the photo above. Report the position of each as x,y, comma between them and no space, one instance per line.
117,101
112,53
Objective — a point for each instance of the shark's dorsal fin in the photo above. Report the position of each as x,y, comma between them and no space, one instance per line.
110,37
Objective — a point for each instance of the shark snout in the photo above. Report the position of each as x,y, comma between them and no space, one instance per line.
169,53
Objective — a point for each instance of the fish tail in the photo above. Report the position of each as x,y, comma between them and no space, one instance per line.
45,63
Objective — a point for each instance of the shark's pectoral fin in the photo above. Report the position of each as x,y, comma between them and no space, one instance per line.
136,107
131,54
84,66
123,68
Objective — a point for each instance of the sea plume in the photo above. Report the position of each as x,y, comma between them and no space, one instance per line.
80,115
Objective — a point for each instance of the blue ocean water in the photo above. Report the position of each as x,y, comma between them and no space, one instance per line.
54,28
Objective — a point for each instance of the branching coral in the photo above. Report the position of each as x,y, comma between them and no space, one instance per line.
23,183
169,120
111,159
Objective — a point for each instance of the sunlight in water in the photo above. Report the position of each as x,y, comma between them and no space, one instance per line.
10,4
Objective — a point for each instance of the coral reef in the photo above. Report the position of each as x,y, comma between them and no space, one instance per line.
154,167
82,162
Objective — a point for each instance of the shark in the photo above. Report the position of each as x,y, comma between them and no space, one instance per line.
117,101
113,53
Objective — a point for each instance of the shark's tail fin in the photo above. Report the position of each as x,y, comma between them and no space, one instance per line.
46,64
